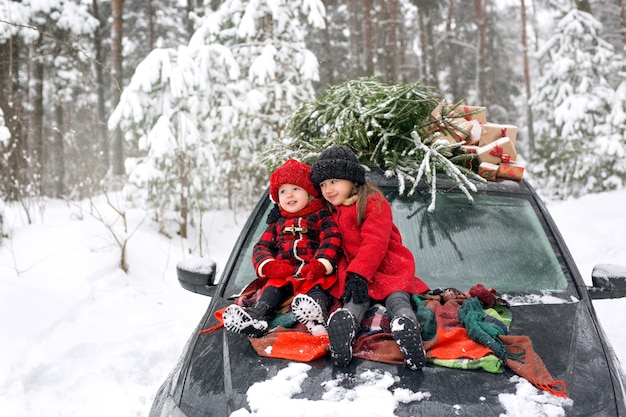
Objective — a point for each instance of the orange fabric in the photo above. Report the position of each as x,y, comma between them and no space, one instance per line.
530,365
291,345
454,344
220,321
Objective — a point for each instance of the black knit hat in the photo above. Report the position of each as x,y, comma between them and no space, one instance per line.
337,162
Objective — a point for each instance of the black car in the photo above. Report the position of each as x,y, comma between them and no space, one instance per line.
505,240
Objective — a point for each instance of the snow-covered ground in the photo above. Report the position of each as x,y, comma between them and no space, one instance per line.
82,338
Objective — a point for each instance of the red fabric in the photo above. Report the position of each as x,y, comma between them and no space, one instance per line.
375,250
278,269
530,366
292,172
313,270
380,347
487,296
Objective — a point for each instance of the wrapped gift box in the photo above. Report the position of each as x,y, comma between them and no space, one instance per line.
510,170
491,132
488,171
501,150
467,119
474,130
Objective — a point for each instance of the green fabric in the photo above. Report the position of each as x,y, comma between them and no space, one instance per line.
471,315
425,317
489,363
286,320
501,313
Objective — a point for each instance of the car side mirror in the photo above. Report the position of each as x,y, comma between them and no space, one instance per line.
197,275
609,281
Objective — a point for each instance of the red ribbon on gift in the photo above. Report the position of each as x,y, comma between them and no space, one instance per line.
497,151
504,132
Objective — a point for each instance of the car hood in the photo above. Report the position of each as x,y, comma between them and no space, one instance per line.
221,366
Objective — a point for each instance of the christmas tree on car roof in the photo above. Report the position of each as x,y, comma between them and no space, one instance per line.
406,130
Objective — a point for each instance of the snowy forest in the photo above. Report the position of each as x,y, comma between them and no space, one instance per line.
174,102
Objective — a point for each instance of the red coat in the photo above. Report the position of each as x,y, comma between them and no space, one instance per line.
375,250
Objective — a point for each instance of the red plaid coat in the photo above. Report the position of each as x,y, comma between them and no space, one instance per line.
298,239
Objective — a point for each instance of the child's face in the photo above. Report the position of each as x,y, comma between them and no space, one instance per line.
292,198
336,191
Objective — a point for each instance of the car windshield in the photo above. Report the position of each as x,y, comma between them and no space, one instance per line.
498,241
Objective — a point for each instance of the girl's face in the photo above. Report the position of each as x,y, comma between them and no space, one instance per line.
292,198
336,191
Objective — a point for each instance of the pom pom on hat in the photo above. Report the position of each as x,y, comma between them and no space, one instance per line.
338,162
292,172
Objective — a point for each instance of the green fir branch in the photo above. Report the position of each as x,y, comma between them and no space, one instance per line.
395,128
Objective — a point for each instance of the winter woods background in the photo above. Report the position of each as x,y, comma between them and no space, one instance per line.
174,101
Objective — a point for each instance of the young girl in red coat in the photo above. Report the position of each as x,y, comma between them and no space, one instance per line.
297,254
377,265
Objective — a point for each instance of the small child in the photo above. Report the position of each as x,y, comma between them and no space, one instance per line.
297,254
377,265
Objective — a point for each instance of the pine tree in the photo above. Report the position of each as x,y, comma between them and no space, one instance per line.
579,113
201,113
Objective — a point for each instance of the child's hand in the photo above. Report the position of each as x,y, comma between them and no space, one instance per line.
277,269
355,289
313,270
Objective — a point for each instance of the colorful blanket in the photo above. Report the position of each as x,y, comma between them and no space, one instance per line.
460,330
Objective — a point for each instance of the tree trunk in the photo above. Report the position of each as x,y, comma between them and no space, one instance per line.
423,40
354,38
13,109
481,59
37,135
453,64
622,20
529,113
57,152
392,48
368,37
327,60
102,133
381,15
117,10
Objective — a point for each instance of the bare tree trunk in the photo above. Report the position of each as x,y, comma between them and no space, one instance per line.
404,75
421,19
37,135
152,31
454,66
13,114
327,61
481,59
57,152
394,18
622,20
529,113
381,15
117,11
102,133
354,38
368,37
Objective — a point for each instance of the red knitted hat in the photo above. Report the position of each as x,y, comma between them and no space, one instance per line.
291,172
